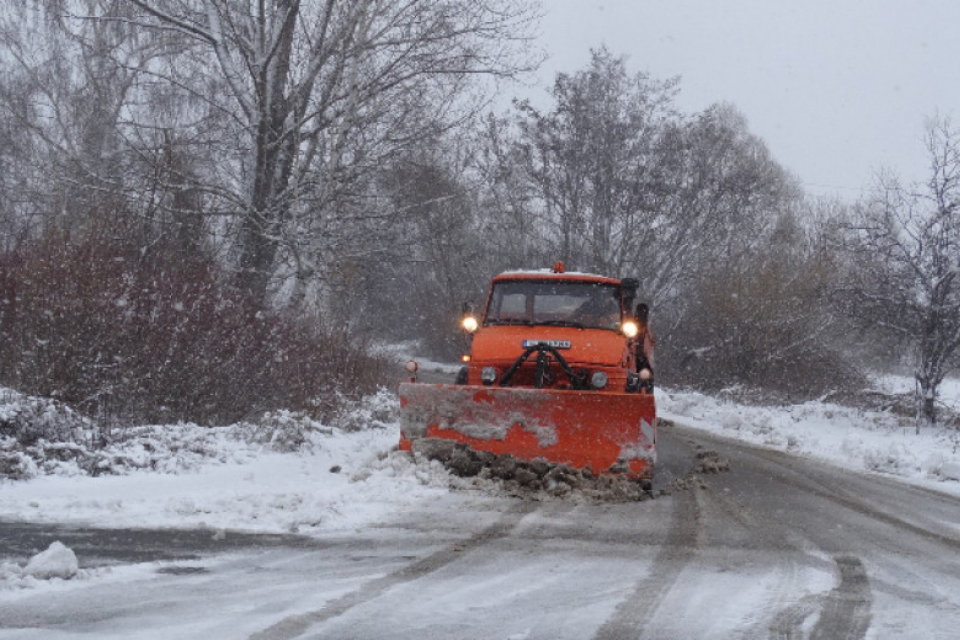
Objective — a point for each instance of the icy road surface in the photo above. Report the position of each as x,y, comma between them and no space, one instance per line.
777,547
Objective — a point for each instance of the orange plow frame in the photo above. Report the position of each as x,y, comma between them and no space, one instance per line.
605,432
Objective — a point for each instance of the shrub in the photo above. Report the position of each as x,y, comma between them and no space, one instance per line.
765,322
123,333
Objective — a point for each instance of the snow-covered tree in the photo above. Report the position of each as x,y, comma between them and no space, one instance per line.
320,94
906,248
613,178
593,160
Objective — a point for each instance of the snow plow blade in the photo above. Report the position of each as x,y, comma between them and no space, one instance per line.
607,433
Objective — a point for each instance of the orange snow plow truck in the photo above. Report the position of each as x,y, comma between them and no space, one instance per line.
559,369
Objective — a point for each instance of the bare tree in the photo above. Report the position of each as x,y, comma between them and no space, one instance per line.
319,93
592,158
62,94
906,247
624,184
507,200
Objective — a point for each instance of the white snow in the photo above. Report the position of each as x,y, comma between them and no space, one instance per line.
55,569
857,439
343,481
56,562
290,474
249,477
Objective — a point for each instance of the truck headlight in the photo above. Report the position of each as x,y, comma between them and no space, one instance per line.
469,324
630,329
598,380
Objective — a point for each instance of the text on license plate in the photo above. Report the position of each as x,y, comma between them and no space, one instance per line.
556,344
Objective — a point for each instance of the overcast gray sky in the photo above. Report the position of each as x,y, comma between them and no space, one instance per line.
836,88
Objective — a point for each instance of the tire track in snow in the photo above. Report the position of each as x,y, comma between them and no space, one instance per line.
846,609
676,552
788,623
796,472
295,626
783,617
780,615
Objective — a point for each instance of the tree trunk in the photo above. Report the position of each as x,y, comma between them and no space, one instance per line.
926,400
275,150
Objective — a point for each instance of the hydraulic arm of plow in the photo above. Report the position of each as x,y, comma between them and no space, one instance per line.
544,351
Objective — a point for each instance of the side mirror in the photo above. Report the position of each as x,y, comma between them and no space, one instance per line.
628,287
643,314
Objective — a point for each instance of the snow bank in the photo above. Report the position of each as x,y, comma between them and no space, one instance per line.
287,473
40,437
284,473
863,440
30,425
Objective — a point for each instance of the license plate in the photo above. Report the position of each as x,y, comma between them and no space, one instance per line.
556,344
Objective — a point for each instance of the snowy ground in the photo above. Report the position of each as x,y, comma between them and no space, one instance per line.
240,477
872,441
289,474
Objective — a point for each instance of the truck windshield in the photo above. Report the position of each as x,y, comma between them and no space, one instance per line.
575,304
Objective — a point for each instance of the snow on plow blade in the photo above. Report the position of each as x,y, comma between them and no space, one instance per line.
605,432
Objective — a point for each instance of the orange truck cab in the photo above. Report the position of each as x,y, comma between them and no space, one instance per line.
559,368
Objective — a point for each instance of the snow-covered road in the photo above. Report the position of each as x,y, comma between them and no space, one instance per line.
778,546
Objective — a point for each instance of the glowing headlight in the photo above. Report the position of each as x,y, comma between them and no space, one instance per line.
598,380
469,324
645,374
630,329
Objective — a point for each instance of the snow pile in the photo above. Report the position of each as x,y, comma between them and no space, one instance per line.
860,439
377,412
37,428
57,562
348,481
506,475
283,473
42,437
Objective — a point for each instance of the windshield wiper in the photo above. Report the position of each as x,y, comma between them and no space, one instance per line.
525,323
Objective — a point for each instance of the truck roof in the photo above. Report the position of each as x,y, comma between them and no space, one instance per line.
549,274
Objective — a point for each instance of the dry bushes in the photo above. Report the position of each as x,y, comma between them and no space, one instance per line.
766,322
116,331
